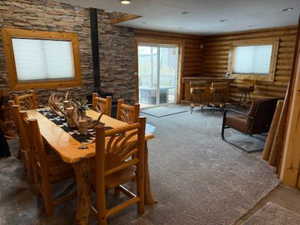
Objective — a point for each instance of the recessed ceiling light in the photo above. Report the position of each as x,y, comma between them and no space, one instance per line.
185,12
287,9
125,2
223,20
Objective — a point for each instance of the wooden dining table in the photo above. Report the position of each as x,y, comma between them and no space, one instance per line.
70,150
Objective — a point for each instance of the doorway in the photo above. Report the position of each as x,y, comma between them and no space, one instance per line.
158,74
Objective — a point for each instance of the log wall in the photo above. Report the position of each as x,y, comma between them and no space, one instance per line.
215,59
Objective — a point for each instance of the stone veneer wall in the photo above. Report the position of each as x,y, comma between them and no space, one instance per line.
118,57
117,45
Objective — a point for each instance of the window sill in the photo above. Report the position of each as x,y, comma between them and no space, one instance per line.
45,84
261,77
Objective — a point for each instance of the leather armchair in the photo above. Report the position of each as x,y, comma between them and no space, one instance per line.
256,121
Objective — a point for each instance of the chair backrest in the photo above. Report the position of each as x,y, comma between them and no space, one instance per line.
37,148
102,104
127,113
119,146
261,112
18,116
27,101
25,147
219,85
248,83
198,87
199,83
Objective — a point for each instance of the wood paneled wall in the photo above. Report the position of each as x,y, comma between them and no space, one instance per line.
216,55
192,57
191,50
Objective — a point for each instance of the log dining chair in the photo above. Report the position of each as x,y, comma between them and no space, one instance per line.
199,91
102,104
24,151
219,92
119,160
246,89
127,113
27,101
48,169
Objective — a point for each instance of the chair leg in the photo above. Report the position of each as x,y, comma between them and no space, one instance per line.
101,203
48,206
102,219
241,98
28,167
223,124
223,131
141,208
141,203
47,198
140,189
191,108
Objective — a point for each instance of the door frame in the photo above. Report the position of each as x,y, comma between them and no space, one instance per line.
163,41
159,46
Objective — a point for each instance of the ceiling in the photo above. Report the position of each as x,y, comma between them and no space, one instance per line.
202,16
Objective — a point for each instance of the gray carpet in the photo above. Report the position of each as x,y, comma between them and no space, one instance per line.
254,143
162,111
196,177
273,214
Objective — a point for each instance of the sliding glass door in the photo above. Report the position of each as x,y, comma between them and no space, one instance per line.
158,74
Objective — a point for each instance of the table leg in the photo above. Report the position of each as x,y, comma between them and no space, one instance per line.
149,200
82,173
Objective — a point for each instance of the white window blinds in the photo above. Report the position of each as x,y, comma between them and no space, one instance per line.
43,59
252,59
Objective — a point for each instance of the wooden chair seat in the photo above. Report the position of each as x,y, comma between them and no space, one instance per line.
116,179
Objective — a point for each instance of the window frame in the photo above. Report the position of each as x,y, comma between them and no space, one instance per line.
13,82
255,76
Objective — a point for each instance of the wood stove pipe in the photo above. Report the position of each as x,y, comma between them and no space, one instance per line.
95,48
